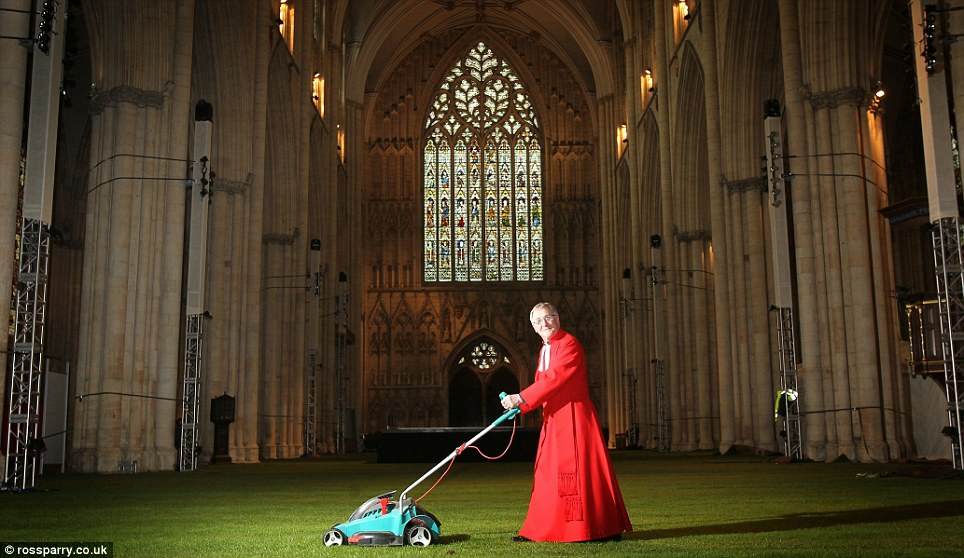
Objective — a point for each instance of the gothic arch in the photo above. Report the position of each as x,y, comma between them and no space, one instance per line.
483,148
743,92
473,387
650,175
457,51
691,175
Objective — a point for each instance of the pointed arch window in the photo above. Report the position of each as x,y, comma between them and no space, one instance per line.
483,202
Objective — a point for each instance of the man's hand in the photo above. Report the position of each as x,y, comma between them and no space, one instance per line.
512,401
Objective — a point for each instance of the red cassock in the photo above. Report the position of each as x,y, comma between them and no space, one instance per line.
575,495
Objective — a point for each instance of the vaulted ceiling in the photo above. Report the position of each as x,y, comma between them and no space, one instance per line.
380,33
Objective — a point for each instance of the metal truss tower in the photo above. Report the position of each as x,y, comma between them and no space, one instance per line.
195,312
943,208
626,303
311,414
662,411
24,444
191,406
632,432
663,433
949,269
311,370
788,402
341,358
788,395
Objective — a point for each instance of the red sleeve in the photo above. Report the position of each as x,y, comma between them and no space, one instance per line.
566,362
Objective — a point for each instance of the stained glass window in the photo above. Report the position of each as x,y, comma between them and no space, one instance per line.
482,176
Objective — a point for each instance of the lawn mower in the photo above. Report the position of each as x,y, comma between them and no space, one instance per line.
384,521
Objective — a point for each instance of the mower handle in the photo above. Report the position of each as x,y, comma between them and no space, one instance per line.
509,414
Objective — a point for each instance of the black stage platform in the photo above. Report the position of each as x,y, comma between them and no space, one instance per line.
431,445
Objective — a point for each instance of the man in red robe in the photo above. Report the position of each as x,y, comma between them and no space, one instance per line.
575,495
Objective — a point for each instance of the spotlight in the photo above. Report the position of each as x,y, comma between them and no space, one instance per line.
56,235
771,108
46,26
655,241
930,34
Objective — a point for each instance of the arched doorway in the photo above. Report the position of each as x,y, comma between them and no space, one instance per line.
482,370
465,398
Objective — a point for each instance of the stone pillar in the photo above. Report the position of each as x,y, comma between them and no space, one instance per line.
719,350
847,344
669,350
111,367
233,346
128,355
606,155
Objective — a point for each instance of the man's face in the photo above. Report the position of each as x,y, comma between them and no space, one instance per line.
544,322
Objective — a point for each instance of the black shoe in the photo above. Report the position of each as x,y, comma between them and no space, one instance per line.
520,538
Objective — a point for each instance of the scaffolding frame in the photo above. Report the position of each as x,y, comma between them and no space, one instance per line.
632,430
663,433
949,270
662,411
24,444
191,396
202,183
341,368
311,416
788,396
792,427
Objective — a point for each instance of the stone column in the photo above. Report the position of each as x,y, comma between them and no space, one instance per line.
606,156
128,353
233,343
810,335
838,227
669,350
721,351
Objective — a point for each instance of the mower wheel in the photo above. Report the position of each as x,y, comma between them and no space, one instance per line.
334,537
418,535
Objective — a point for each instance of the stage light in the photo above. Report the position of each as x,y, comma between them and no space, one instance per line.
46,27
879,93
930,34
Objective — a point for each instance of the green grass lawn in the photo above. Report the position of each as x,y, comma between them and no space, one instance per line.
680,504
